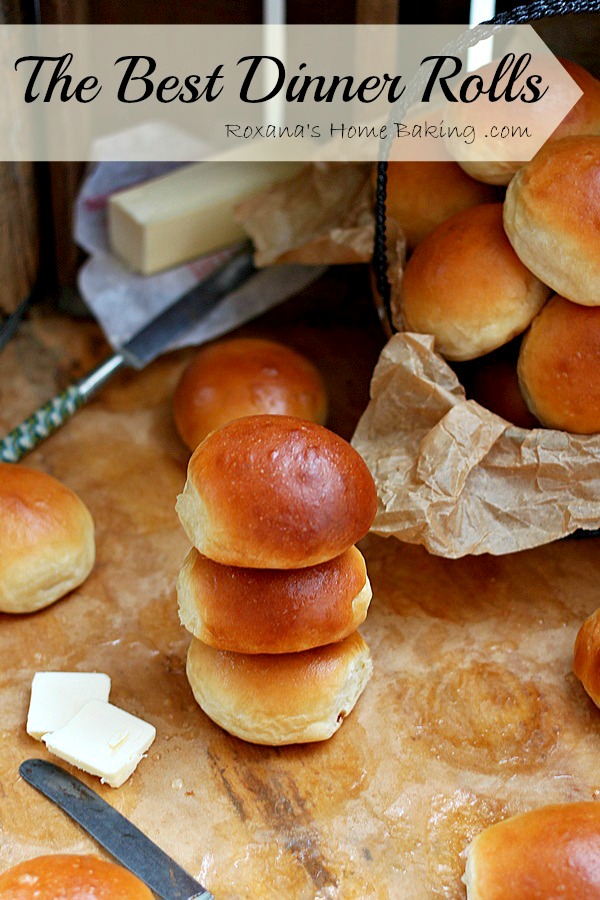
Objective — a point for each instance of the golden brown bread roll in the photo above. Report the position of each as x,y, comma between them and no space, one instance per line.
586,662
275,492
583,118
465,285
495,385
47,544
72,877
547,853
273,610
552,217
558,367
496,172
288,698
421,195
245,377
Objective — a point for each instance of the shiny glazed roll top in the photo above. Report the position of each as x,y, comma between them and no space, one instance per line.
276,492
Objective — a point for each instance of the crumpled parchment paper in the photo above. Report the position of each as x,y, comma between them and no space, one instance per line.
323,215
459,479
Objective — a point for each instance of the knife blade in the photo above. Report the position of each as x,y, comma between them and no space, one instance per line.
114,832
141,349
186,312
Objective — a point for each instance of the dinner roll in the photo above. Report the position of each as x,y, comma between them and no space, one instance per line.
47,542
71,877
586,663
420,195
273,610
491,171
465,285
583,118
552,217
546,853
276,492
288,698
495,385
558,367
245,377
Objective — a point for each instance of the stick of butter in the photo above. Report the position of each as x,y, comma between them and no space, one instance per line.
168,220
58,696
102,740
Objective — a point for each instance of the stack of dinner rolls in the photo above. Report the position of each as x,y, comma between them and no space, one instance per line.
274,589
482,276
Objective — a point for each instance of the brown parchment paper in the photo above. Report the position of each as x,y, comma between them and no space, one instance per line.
459,479
323,216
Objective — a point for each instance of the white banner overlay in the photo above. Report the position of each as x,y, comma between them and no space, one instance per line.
349,92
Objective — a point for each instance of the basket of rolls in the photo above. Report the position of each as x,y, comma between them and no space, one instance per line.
483,428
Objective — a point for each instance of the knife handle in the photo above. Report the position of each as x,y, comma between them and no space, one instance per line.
49,417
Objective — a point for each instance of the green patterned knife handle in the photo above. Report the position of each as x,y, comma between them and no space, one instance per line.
41,424
49,417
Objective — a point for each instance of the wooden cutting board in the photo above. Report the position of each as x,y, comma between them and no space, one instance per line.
472,713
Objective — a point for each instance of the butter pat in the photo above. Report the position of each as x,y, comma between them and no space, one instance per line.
58,696
102,740
187,213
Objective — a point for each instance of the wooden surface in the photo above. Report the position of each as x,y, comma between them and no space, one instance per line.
19,228
472,713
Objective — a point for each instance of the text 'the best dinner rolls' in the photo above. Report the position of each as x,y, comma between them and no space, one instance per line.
47,545
245,377
558,367
273,610
421,195
465,285
552,217
278,699
546,853
71,877
276,492
586,662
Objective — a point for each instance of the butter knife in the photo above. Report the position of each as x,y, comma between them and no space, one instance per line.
113,831
145,346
